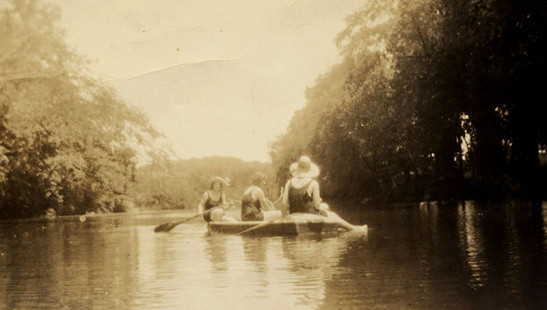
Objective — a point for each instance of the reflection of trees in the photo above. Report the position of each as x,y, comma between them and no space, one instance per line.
216,252
472,242
374,272
445,256
39,261
67,264
504,253
406,261
312,261
411,258
254,250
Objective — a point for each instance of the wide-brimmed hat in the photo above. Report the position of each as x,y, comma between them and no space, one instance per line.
304,168
215,180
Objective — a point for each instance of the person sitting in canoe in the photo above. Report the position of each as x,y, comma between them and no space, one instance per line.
301,194
214,197
254,204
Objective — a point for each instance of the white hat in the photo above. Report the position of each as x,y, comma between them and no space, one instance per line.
217,180
304,168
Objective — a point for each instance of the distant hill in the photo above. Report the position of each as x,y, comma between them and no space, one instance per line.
180,184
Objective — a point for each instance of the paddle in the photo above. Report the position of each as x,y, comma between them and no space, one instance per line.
170,225
257,226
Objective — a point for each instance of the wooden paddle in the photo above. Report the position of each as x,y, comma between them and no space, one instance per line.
170,225
241,233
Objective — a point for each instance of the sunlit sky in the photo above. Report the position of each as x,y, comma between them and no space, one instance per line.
216,77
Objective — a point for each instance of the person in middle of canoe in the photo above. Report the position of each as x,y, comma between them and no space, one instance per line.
214,197
254,204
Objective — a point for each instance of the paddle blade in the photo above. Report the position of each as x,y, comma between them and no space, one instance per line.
165,227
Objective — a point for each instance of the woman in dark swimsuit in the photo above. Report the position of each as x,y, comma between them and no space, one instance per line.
214,197
301,194
302,191
254,204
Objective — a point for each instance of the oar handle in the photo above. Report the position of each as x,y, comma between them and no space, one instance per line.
170,225
257,226
197,215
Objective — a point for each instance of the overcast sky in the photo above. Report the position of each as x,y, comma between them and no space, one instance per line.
256,56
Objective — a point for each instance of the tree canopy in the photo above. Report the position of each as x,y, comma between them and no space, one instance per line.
67,142
436,100
180,184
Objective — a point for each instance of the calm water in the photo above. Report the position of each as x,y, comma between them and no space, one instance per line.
449,257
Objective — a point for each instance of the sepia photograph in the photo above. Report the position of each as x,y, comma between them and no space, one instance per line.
273,154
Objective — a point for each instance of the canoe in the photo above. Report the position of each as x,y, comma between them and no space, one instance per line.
294,224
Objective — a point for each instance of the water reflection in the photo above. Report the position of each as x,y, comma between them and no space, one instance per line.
471,242
544,213
500,244
215,248
311,262
418,257
254,250
54,264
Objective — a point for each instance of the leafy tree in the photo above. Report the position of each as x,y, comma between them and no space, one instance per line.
441,100
180,184
477,63
68,143
327,93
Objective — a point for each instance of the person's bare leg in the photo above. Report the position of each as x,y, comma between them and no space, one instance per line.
271,215
335,217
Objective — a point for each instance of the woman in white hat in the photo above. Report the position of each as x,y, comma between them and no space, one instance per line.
214,197
301,192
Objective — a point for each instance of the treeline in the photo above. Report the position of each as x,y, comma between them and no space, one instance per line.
67,143
180,184
434,100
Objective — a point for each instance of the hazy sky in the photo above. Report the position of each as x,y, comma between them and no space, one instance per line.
216,77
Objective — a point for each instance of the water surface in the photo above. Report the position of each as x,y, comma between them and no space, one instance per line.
412,257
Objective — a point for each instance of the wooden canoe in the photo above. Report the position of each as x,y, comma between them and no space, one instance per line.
294,224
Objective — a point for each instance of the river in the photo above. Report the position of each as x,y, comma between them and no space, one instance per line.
461,256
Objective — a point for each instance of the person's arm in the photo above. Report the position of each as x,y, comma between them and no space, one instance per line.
315,194
285,200
201,204
265,204
225,205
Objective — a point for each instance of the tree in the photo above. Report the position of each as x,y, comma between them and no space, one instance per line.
68,143
441,100
322,98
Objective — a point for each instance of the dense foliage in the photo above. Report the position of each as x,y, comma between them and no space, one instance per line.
67,143
180,184
435,99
